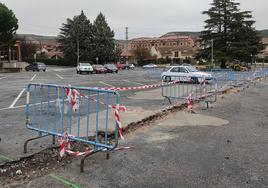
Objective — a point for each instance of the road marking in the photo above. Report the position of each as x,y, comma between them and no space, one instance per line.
106,84
5,158
18,97
3,78
33,77
23,106
59,76
66,182
133,82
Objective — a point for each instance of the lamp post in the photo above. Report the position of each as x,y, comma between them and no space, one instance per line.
212,52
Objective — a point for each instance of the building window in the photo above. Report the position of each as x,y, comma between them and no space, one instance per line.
176,54
163,44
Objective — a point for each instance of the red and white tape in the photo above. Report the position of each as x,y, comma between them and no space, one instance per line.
135,88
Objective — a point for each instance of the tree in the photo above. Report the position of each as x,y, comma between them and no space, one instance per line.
8,25
142,54
28,49
231,32
104,42
76,39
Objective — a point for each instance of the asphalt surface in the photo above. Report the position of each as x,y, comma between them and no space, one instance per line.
223,146
13,99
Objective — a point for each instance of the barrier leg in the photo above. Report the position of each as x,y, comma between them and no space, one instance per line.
167,99
82,163
53,140
107,155
27,141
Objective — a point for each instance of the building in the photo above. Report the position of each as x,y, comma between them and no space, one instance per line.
10,56
265,51
176,48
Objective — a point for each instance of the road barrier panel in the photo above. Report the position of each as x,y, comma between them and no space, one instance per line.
53,110
154,72
199,88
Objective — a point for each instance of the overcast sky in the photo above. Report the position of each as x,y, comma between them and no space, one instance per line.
143,17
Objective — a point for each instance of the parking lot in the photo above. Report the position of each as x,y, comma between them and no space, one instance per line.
185,143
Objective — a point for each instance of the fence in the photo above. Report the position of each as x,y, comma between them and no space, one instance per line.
84,113
196,87
154,72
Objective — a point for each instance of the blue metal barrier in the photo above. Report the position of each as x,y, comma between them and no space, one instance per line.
51,112
200,88
154,72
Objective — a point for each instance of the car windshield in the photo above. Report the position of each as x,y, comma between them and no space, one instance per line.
110,66
85,64
98,66
192,69
41,64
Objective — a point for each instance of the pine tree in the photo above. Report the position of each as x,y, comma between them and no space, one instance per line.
8,25
231,31
76,39
104,42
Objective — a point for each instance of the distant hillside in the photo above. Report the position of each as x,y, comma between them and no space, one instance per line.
38,38
264,33
183,33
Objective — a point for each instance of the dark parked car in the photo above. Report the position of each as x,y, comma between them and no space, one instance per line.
99,69
36,67
111,68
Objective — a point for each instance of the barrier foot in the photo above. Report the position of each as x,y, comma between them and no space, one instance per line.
27,141
107,155
53,140
82,163
167,99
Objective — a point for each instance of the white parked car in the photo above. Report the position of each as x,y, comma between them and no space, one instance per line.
150,66
185,73
84,67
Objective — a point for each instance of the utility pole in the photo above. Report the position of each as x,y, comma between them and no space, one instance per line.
212,51
78,50
126,37
126,47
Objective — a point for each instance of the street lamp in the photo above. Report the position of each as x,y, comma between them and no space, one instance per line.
212,51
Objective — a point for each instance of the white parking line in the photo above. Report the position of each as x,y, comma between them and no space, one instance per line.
18,97
33,77
3,78
106,84
133,82
59,76
53,101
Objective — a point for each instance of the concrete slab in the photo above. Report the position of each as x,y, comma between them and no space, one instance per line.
133,114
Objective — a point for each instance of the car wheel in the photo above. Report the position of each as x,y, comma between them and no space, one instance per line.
77,72
27,70
167,78
33,70
116,72
38,70
94,72
195,80
44,70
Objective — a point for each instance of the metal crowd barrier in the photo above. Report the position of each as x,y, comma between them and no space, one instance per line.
84,113
200,88
154,72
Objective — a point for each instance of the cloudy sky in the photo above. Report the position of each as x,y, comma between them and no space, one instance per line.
143,17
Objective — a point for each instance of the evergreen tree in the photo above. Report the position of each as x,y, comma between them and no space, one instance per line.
231,31
76,39
8,25
104,42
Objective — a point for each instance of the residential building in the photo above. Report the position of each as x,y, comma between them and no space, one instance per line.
176,48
